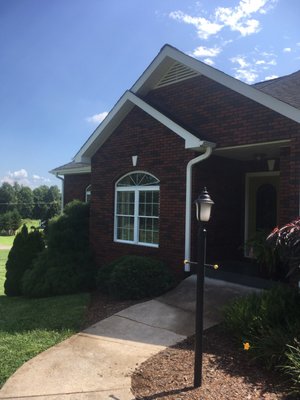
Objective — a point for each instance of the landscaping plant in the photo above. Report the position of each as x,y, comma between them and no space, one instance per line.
135,277
25,249
65,266
286,242
268,322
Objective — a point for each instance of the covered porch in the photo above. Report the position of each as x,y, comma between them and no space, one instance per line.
251,187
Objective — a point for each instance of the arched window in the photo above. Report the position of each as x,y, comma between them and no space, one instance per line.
88,193
137,209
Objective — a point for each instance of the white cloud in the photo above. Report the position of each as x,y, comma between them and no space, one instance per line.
41,179
203,51
245,75
204,27
267,78
240,60
209,61
238,18
264,62
97,118
20,176
287,50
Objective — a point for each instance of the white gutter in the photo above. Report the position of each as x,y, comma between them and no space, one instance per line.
62,192
188,204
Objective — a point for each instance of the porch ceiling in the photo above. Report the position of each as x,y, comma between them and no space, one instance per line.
253,151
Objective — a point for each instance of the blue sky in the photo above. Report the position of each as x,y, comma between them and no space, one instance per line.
64,63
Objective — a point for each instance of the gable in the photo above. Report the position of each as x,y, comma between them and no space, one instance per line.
169,67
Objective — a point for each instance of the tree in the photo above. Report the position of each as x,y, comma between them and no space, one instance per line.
7,197
25,202
10,222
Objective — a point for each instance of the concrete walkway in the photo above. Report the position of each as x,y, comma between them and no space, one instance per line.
97,363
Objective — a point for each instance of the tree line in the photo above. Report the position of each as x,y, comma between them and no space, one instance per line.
19,202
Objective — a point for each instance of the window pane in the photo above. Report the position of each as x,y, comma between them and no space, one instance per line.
125,228
138,179
125,203
149,203
148,230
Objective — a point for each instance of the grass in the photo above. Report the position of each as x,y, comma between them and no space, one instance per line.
30,326
8,240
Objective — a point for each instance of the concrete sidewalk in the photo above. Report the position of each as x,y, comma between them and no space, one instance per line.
97,363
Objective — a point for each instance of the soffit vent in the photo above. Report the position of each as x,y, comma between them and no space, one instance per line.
177,72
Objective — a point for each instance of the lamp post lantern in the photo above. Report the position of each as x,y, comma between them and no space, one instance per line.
203,209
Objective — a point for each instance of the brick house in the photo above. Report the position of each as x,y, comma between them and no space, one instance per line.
182,126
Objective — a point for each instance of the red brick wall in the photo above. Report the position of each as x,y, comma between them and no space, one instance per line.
75,186
213,113
161,153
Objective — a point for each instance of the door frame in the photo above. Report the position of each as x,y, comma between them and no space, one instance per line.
248,176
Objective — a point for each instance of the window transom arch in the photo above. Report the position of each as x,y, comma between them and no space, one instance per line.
137,209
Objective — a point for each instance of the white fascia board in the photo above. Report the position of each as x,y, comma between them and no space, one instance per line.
168,53
71,171
191,141
103,131
118,113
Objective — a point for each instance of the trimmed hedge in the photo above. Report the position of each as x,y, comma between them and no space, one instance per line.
134,277
25,249
65,266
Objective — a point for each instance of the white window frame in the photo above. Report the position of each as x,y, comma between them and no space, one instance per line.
136,190
88,192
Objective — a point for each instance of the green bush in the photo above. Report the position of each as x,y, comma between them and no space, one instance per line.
25,249
65,266
268,321
104,274
56,274
134,277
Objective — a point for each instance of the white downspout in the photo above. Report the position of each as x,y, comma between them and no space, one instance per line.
188,203
62,192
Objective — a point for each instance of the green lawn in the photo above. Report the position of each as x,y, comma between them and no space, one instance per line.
30,326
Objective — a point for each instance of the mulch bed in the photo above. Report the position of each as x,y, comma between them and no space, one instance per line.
227,372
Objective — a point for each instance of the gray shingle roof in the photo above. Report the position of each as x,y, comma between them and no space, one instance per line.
285,88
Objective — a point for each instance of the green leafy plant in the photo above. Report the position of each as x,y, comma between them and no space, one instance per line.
65,266
25,249
267,321
265,254
135,277
292,365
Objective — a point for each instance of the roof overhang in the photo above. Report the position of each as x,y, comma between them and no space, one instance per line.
253,151
119,112
148,81
71,169
169,55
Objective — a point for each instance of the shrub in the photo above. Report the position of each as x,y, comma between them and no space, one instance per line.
25,248
268,322
65,266
56,274
104,274
134,277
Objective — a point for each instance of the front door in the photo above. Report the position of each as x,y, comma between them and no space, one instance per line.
261,202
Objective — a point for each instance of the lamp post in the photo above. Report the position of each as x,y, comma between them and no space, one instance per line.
203,208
